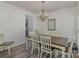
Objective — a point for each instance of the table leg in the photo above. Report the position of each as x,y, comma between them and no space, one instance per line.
27,44
63,54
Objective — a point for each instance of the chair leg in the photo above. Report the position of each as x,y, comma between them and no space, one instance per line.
9,52
50,55
69,56
56,54
32,51
41,53
38,52
72,55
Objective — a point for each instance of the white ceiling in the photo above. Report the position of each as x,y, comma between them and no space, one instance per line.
35,6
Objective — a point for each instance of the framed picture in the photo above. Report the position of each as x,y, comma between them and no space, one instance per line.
51,24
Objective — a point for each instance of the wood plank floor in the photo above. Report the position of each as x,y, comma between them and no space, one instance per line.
19,52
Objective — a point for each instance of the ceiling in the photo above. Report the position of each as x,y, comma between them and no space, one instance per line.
35,6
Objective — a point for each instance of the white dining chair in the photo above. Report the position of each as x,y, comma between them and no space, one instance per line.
46,45
69,52
7,45
35,44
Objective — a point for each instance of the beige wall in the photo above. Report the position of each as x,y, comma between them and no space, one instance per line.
65,22
12,22
78,25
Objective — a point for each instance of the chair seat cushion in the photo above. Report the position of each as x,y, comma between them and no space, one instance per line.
7,43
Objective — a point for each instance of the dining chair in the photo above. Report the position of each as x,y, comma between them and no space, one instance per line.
7,45
46,45
35,44
69,52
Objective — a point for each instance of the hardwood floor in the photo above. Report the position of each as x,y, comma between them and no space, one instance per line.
19,52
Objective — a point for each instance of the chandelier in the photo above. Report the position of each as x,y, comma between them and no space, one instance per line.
43,15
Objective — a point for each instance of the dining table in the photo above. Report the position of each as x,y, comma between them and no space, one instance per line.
57,42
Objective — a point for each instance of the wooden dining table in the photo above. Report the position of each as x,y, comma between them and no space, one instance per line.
58,42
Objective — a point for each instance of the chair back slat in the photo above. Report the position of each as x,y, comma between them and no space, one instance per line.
1,38
35,40
45,42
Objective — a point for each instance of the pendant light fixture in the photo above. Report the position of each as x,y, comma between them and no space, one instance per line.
43,14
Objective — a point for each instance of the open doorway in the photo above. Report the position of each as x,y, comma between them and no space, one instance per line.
28,25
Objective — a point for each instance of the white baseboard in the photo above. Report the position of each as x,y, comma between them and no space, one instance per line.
17,44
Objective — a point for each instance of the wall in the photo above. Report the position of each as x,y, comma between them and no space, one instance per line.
12,22
78,26
65,22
